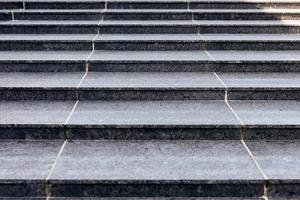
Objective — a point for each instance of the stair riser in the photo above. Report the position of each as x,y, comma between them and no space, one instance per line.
48,66
136,29
194,45
161,45
141,132
49,29
246,16
149,16
65,5
59,16
145,5
144,66
5,17
243,5
155,190
157,94
9,45
11,5
98,94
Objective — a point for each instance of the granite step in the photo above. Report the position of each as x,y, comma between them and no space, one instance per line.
150,61
153,14
147,27
123,170
149,86
186,119
197,42
148,42
107,168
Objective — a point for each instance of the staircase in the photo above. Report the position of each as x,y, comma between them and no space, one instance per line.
150,99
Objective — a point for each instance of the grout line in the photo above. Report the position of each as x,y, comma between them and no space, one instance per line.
254,160
83,77
56,159
209,55
265,189
72,111
24,5
12,16
266,183
89,56
48,185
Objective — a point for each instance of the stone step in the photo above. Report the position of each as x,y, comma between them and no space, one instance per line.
197,119
150,61
149,86
129,169
154,14
148,26
150,42
141,169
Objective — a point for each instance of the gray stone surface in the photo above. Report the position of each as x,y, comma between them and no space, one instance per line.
261,80
27,160
255,55
44,55
155,160
47,37
247,37
149,37
149,55
151,80
153,113
268,112
280,162
278,159
151,165
24,166
34,112
40,80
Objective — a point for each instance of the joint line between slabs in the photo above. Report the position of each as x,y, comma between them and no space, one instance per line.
209,55
254,160
48,187
71,113
56,159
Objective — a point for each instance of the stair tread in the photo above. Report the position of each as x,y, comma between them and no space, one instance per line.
155,161
268,113
261,80
35,112
102,55
44,55
41,80
155,22
152,80
118,113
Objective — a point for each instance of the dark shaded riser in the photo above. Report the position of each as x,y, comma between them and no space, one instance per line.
150,45
109,28
163,15
150,66
144,132
145,5
243,93
80,188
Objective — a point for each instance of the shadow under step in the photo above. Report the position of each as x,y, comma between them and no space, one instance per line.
147,27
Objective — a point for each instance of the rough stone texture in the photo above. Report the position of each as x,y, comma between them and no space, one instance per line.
142,167
25,165
280,162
